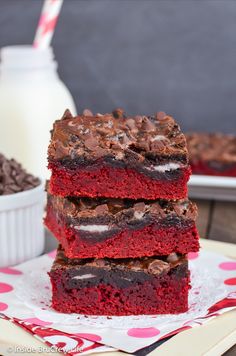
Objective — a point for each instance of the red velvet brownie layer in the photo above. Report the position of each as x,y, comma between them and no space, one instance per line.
116,156
212,154
122,228
120,287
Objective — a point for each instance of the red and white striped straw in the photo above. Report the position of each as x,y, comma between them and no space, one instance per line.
47,23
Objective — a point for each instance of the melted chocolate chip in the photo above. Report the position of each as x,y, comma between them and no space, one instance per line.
181,208
99,262
91,143
131,140
158,145
118,113
160,115
102,209
87,112
158,266
148,125
67,115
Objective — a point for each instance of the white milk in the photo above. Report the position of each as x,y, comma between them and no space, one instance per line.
32,97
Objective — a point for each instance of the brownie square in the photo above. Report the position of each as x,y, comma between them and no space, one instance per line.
122,228
212,154
115,156
157,285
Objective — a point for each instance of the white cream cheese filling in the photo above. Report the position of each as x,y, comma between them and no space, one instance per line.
84,276
92,228
165,167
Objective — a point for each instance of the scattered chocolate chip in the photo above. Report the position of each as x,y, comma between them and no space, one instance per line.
148,125
98,263
118,113
191,211
138,119
180,140
160,115
156,209
158,145
179,209
135,265
144,145
6,168
87,112
131,124
67,115
102,209
158,266
74,138
129,139
13,178
91,143
167,120
62,150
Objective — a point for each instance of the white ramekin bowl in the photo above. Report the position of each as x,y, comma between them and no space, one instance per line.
21,226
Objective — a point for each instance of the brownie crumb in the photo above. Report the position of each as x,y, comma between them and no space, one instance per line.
14,178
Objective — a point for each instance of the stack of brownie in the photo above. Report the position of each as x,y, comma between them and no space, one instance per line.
117,203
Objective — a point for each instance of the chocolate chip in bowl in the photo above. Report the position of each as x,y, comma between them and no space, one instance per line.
14,178
21,211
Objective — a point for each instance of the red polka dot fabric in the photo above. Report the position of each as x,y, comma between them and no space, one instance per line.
128,336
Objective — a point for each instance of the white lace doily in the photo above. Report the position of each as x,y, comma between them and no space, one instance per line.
34,290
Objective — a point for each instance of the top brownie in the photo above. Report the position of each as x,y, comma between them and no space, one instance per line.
139,140
118,156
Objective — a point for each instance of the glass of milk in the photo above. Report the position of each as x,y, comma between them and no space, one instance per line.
32,97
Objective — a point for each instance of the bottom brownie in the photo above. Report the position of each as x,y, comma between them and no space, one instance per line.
157,285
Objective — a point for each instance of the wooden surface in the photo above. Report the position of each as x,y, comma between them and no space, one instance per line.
212,339
217,220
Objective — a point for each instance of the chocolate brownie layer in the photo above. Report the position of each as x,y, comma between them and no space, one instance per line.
98,219
120,287
116,272
122,228
154,145
212,153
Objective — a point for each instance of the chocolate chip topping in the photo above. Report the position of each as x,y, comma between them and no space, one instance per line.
158,266
149,265
91,143
118,113
102,209
67,115
212,147
87,112
160,115
139,138
13,178
118,210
